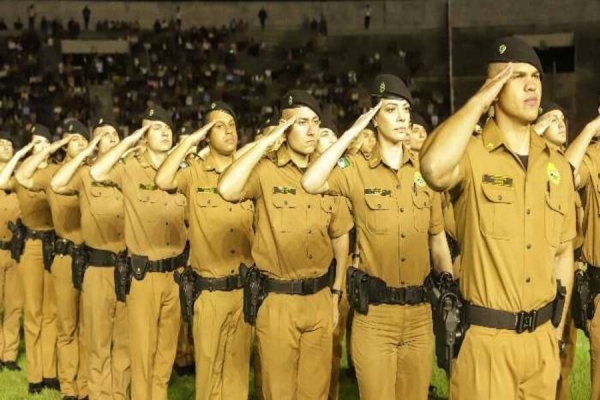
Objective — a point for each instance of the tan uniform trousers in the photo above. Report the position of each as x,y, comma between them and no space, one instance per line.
72,356
257,367
568,358
338,336
222,344
496,364
594,328
39,314
185,346
11,304
106,335
392,347
295,345
154,315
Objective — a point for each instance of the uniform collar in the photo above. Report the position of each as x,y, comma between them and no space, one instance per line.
282,156
374,158
145,161
493,138
210,164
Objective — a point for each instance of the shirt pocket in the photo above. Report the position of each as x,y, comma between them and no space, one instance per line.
422,210
207,199
285,211
379,215
554,215
497,212
104,201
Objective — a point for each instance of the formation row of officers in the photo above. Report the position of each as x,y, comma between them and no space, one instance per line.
268,228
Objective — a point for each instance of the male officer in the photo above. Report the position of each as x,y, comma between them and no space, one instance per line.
293,251
419,130
398,222
101,208
155,237
221,236
514,208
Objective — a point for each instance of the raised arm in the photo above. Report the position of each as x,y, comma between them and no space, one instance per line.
100,171
165,177
9,168
315,178
25,172
444,148
578,147
231,185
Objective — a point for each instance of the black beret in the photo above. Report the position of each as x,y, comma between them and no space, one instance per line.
300,98
4,135
270,121
105,120
71,126
548,105
221,106
157,113
417,119
41,130
327,123
388,86
512,49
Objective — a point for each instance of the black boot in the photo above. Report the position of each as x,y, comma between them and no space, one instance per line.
35,388
11,366
51,383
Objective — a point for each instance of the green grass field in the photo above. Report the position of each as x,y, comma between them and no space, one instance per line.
13,385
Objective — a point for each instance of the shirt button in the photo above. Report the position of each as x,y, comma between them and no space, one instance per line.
500,197
310,231
528,280
208,202
528,245
230,208
401,209
168,243
231,230
402,235
403,259
378,205
232,252
167,223
285,202
309,206
310,256
528,211
397,186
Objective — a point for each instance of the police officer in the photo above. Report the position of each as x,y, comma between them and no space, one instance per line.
293,251
40,322
514,208
221,236
155,237
398,222
101,208
419,130
11,297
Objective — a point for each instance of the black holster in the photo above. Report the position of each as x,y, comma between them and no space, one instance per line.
17,243
582,301
122,276
188,292
79,263
138,266
454,247
446,307
254,291
357,287
48,241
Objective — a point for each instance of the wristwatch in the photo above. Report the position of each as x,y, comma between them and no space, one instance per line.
562,347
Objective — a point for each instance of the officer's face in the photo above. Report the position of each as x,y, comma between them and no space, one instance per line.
326,139
368,141
39,143
109,139
159,136
556,132
520,97
6,150
417,137
302,136
223,137
77,143
392,120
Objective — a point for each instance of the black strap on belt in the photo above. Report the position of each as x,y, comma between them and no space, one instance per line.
63,247
301,287
166,264
36,235
224,284
4,245
520,322
409,295
100,258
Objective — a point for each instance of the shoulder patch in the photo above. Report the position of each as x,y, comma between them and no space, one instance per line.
418,179
343,163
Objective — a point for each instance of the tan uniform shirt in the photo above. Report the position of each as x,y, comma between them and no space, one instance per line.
220,232
511,221
35,210
102,213
9,210
590,195
394,212
154,219
293,228
66,216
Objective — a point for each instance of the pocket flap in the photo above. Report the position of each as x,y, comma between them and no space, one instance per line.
378,202
285,200
498,194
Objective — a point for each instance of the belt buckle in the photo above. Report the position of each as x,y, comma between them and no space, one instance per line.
297,286
526,321
397,296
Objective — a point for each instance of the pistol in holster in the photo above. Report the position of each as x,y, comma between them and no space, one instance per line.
254,291
122,276
448,325
17,243
188,292
139,266
79,263
48,241
357,287
582,301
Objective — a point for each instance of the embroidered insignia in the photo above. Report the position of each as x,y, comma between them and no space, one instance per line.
33,129
382,87
501,49
418,179
290,100
151,113
343,162
497,180
489,146
101,121
283,190
148,186
553,174
207,190
378,191
71,128
212,106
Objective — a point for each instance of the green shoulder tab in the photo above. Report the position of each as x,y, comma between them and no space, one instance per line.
343,162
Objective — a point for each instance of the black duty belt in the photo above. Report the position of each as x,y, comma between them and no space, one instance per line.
522,321
224,284
4,245
409,295
100,258
297,286
63,247
37,235
164,265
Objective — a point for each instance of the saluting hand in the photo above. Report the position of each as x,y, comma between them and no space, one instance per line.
595,124
361,122
542,124
58,144
21,153
201,133
92,146
492,87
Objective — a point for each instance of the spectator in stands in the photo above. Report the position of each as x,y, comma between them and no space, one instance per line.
31,14
86,12
262,16
3,26
323,25
179,18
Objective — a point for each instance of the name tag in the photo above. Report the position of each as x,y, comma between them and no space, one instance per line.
497,180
